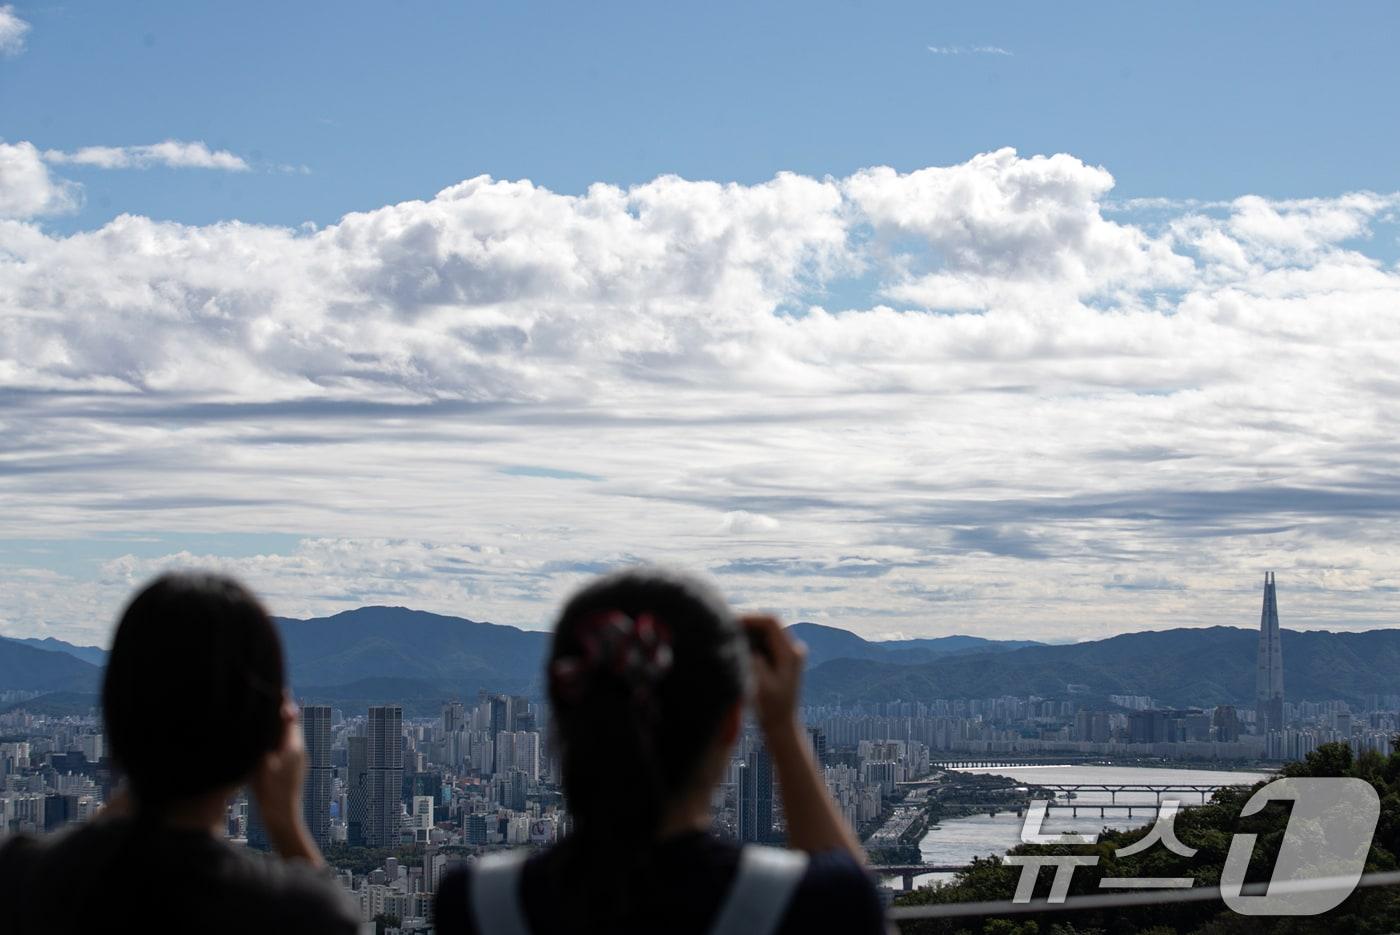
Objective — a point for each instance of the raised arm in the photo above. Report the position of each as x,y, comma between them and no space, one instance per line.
278,785
814,824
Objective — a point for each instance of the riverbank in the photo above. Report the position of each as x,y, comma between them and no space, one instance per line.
956,840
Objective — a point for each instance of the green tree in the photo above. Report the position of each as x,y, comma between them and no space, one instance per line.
1210,830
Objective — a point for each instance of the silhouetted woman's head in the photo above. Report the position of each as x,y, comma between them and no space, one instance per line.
193,692
646,665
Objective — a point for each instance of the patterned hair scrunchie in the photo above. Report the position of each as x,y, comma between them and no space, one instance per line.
634,649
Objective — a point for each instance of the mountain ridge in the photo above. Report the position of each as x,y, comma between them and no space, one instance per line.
374,651
92,655
1180,666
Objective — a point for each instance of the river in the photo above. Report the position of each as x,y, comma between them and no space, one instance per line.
958,840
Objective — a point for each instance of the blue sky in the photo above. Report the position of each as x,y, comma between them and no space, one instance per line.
1021,320
388,101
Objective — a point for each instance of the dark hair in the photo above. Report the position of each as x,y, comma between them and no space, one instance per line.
644,666
192,696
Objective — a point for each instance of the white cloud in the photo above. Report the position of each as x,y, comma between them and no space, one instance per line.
1030,404
26,187
1009,229
742,522
12,31
968,50
174,154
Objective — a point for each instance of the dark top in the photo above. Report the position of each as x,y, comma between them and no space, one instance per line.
684,893
118,875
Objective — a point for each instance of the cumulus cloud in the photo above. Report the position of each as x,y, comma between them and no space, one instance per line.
27,189
12,31
173,154
1011,230
1040,410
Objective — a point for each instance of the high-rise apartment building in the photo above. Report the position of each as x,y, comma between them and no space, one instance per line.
255,829
454,717
527,753
316,792
498,720
357,789
755,797
818,739
384,774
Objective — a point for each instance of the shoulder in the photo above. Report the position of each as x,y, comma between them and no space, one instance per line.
453,911
299,895
23,856
836,894
17,847
17,853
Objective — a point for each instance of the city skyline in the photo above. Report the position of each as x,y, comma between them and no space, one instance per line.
991,364
86,652
397,803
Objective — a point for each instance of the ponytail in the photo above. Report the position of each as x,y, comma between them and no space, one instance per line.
644,666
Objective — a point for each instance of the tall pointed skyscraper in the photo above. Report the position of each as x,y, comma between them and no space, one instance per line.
1268,686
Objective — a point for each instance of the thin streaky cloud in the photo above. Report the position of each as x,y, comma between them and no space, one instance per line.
173,154
969,50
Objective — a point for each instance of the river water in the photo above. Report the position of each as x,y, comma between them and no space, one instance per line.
958,840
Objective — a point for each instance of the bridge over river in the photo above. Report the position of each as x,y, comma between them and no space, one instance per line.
907,872
991,761
1113,790
1178,793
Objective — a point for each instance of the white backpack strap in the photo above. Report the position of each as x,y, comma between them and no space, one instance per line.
495,894
762,888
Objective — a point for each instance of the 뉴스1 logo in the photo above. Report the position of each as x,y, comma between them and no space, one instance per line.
1320,860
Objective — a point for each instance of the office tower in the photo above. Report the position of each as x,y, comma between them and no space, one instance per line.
1155,726
423,818
59,810
256,830
316,792
755,797
519,787
477,829
520,713
499,730
1268,694
500,715
357,790
384,788
1226,723
818,738
454,717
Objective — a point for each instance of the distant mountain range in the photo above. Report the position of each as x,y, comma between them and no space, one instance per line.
386,649
90,654
29,668
1214,665
827,643
393,654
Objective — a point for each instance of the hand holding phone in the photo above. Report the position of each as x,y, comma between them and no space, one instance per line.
777,660
758,644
